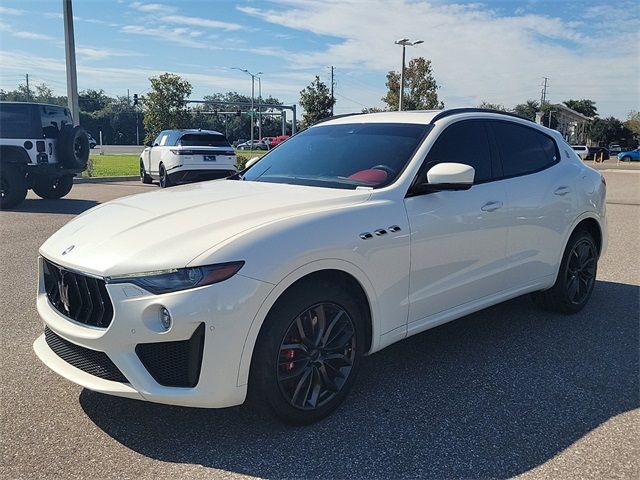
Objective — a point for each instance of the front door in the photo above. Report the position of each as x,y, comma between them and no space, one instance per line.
458,238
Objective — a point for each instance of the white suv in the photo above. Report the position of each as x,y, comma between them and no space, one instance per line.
180,156
348,237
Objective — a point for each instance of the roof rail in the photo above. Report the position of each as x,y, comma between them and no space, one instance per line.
456,111
337,116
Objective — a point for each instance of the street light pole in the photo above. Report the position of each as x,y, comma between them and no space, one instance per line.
70,55
259,108
253,78
404,42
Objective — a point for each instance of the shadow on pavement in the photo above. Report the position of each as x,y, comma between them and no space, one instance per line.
64,206
491,395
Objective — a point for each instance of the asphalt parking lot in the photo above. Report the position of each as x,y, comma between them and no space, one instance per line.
507,391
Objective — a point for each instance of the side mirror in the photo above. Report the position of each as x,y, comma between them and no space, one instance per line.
448,176
251,161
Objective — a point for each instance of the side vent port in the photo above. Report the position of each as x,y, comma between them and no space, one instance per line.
174,364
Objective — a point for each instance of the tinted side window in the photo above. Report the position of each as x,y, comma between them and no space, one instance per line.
522,149
15,121
463,142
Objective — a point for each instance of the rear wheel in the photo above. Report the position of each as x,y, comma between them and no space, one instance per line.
626,158
576,278
165,180
53,188
13,186
144,177
308,353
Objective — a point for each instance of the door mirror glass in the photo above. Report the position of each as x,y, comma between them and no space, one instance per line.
449,176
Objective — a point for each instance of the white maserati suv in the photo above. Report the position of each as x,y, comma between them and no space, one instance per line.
354,234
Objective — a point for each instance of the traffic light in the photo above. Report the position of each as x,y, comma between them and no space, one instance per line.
135,99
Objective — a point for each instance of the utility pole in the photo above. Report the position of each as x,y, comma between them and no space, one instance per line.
404,42
26,75
70,55
543,96
333,99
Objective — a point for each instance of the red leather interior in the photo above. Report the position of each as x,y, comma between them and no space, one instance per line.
372,176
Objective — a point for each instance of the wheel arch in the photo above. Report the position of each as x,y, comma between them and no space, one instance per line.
343,272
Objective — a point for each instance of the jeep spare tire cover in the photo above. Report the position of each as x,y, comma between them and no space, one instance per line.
73,147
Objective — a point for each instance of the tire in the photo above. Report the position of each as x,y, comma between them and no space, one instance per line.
576,277
73,147
293,400
144,177
165,180
626,158
53,188
13,186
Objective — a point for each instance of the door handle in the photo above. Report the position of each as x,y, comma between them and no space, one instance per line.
491,206
562,191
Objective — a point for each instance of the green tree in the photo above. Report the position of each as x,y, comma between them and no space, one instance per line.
40,93
316,101
372,110
165,105
93,100
584,106
606,131
633,124
492,106
528,109
421,89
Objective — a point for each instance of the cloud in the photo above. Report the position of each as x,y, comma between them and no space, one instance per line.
10,11
200,22
96,53
477,53
22,34
179,36
152,7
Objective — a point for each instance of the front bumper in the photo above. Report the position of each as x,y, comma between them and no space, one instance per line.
226,310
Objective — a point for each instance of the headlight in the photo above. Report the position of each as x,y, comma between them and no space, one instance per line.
176,279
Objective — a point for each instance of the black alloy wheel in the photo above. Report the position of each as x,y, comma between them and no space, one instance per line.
165,181
581,271
309,351
576,277
316,356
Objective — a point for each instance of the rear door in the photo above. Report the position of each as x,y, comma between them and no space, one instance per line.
205,150
540,191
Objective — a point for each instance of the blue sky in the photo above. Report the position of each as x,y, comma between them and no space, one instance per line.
494,50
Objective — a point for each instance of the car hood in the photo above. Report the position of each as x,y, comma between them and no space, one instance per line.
169,228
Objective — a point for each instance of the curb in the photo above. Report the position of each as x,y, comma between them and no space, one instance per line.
105,179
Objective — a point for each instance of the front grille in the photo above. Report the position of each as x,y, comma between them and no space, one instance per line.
90,361
174,364
79,297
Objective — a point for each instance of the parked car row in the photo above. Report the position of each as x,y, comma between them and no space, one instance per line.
603,153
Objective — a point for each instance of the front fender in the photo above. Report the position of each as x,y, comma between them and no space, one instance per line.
285,283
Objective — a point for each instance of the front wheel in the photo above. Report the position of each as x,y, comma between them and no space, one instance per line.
144,176
626,158
576,277
53,188
308,353
13,186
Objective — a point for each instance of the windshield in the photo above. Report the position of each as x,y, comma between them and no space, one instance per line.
341,156
203,140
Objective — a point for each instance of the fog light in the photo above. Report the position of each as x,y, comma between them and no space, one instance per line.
165,318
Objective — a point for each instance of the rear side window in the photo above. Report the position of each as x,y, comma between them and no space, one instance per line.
14,121
463,142
202,140
523,150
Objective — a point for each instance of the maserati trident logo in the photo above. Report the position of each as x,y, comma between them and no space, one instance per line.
63,289
68,249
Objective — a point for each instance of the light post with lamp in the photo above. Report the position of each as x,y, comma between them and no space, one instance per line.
404,42
253,79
